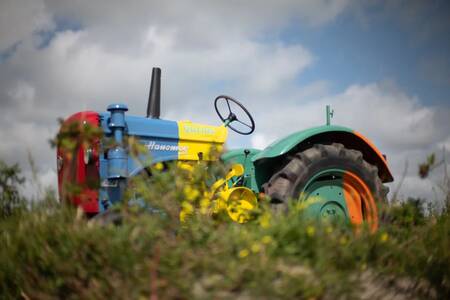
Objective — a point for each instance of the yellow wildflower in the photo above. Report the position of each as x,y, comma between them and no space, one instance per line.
329,229
310,231
343,240
186,210
204,205
363,266
267,239
187,207
264,220
205,202
190,193
159,166
244,253
256,248
303,204
183,216
384,237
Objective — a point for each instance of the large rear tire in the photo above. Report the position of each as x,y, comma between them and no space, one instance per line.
333,182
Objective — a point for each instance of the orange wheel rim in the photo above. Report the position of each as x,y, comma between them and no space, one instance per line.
360,201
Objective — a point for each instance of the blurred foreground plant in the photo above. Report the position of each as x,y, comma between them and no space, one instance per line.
56,253
10,198
430,164
51,251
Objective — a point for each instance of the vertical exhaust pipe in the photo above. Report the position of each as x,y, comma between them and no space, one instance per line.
154,98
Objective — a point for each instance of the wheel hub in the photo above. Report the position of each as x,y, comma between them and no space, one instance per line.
324,199
332,211
336,195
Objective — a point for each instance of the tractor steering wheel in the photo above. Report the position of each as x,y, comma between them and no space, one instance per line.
231,117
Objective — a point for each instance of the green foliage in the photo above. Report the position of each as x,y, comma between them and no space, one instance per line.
75,134
427,166
410,213
10,199
52,251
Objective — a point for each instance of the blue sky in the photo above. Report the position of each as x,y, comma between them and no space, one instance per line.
384,66
380,47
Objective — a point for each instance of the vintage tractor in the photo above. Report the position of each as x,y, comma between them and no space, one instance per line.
336,170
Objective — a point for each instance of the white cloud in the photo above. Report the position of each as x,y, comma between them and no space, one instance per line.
398,124
198,24
387,113
20,18
23,94
97,64
204,49
259,141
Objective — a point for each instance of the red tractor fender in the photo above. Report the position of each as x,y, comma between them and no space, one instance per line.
329,134
72,169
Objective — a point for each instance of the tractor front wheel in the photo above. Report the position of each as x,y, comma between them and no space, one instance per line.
331,182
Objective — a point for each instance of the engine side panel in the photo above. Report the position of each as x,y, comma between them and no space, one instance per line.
198,141
168,140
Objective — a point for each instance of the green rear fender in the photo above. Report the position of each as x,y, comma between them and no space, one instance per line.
286,144
268,161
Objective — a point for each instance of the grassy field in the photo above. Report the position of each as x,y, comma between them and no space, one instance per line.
51,251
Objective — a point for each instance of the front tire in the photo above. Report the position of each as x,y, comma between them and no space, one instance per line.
333,182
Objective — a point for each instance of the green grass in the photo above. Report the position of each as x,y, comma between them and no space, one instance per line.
51,251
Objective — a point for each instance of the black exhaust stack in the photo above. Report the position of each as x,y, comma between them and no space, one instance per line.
154,98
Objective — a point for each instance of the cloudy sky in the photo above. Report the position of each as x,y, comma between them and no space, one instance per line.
384,66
